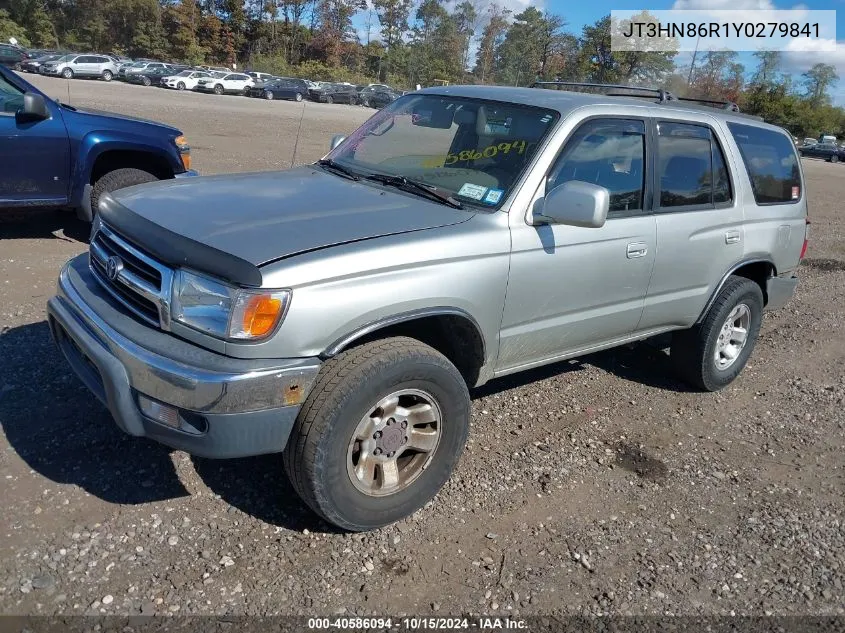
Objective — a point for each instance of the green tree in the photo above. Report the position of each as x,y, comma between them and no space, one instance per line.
596,61
393,16
491,39
182,23
643,67
817,81
466,22
9,28
528,46
768,67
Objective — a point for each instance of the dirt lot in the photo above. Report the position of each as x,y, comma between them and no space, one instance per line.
596,486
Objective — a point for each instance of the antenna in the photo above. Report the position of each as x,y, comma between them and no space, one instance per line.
298,132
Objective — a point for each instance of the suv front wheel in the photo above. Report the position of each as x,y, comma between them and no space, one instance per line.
711,355
379,434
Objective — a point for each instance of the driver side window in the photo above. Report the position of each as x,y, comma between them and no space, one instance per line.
609,153
11,98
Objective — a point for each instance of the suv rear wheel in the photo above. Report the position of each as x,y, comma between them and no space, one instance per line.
711,355
379,434
118,179
218,89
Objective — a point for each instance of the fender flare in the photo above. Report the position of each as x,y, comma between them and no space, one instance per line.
731,271
373,326
95,143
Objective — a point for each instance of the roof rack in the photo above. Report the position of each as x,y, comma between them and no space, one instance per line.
640,92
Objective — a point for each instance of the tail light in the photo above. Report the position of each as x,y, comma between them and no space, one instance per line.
806,239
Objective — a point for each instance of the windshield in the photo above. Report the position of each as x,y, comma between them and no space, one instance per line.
139,65
471,149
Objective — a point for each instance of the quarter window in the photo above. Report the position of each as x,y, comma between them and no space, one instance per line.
691,166
771,163
606,152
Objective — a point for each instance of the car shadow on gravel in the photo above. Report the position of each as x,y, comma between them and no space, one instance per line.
259,487
41,223
645,363
57,427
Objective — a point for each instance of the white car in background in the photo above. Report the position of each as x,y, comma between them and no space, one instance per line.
231,83
185,80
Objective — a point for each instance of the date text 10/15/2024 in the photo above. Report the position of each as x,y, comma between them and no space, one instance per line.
481,624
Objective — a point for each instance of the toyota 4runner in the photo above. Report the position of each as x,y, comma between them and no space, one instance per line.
340,312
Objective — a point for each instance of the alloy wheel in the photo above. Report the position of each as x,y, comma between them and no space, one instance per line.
394,443
732,337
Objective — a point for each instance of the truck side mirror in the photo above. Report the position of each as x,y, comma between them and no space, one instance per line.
34,108
575,203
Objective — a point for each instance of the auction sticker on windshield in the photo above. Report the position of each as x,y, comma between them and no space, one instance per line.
493,196
469,190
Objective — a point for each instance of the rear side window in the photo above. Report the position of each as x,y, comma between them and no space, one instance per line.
771,163
691,167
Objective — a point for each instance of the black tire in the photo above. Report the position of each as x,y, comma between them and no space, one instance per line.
268,95
146,81
348,386
107,75
218,89
297,96
180,85
693,351
834,159
118,179
67,73
329,99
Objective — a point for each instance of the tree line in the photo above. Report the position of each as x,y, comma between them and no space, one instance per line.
410,42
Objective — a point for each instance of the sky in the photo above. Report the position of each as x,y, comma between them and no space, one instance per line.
579,13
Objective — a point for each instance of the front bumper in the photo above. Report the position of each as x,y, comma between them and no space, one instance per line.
235,407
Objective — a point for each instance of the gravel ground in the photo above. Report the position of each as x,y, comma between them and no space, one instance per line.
600,485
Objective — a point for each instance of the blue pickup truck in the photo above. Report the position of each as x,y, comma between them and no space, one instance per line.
56,155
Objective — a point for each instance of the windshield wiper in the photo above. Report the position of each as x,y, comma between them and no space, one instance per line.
413,186
328,163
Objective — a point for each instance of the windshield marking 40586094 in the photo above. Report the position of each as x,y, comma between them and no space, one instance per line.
445,147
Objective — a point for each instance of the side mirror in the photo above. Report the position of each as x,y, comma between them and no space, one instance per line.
337,139
575,203
34,108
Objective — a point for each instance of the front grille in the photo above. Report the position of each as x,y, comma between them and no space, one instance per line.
135,279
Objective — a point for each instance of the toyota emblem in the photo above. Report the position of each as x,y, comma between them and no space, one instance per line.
113,267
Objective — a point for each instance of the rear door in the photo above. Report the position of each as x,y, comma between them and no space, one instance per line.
35,156
700,232
775,200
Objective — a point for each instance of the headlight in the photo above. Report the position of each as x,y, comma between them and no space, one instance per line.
220,310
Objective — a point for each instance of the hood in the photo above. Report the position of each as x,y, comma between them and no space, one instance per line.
267,216
114,116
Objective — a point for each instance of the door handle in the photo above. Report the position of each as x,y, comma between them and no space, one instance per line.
732,237
637,249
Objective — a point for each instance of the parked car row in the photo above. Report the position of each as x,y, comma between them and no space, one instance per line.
216,80
830,152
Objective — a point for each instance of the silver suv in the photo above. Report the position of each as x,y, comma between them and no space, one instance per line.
340,312
71,66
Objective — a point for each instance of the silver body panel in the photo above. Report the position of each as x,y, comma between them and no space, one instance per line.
355,255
